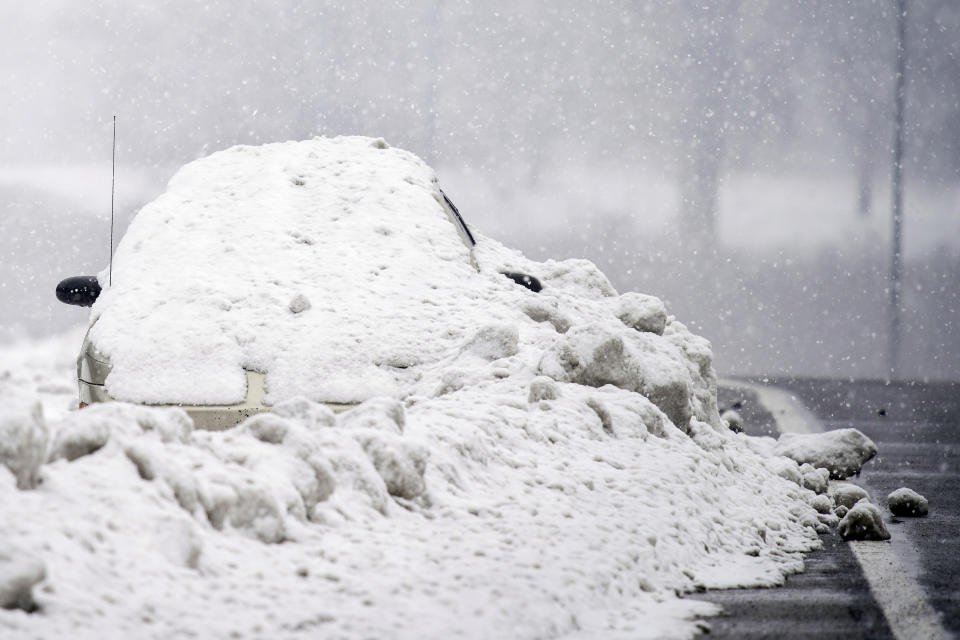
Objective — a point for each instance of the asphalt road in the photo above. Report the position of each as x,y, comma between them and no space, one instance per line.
916,427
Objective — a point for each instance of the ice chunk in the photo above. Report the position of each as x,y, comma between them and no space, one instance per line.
863,522
23,439
842,451
907,502
642,312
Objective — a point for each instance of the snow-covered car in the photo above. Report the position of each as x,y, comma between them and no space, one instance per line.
328,268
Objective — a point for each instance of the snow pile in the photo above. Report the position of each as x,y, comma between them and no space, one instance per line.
534,464
475,513
514,504
842,451
863,521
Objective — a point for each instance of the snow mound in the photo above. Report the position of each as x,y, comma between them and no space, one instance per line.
842,451
522,464
907,502
863,522
582,511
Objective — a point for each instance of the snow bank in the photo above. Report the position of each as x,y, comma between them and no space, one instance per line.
534,465
471,514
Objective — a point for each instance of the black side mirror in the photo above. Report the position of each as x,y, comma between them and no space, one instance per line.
81,291
525,280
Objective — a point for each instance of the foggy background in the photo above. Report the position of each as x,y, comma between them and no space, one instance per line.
733,158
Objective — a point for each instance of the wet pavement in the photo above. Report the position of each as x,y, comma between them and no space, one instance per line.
916,427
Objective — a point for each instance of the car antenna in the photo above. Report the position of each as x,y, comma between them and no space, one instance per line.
113,184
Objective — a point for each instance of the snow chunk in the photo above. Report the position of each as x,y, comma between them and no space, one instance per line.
311,413
19,573
863,522
733,419
828,519
579,277
596,355
400,463
907,502
299,304
85,432
817,480
642,312
23,438
543,388
822,504
494,342
842,451
847,494
80,439
543,309
380,414
786,469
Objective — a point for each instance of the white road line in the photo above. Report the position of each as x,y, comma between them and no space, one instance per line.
892,568
894,586
791,414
